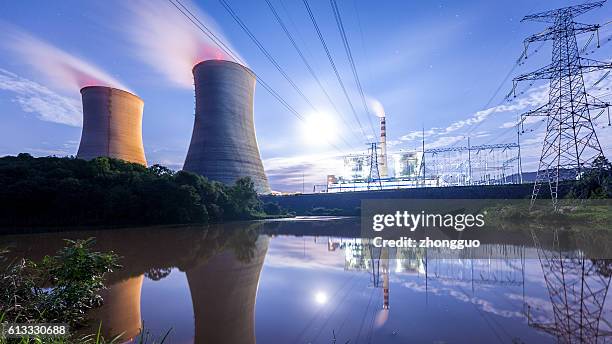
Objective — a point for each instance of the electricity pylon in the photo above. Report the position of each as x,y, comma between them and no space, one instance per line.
374,176
570,144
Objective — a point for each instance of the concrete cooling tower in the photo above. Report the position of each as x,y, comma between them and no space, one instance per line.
112,125
223,144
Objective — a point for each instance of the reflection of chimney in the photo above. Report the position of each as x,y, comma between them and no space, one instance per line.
385,271
223,293
382,161
120,312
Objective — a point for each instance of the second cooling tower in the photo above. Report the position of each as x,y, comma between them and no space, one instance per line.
112,125
223,144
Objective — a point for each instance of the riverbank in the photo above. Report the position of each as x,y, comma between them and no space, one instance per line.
349,203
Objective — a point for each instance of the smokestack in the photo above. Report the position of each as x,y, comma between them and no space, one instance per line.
223,144
382,162
112,125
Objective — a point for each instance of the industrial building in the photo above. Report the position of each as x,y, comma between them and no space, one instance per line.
112,125
370,171
434,167
223,144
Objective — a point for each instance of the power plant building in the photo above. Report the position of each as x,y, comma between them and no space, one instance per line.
223,144
408,164
112,125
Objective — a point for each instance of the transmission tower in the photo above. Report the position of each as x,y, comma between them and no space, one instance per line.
374,176
571,144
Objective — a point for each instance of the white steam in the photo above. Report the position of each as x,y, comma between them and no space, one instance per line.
166,40
376,107
61,69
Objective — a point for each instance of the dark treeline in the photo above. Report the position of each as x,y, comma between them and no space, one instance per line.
596,182
67,191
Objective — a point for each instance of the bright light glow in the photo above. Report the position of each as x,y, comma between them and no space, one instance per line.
321,298
320,129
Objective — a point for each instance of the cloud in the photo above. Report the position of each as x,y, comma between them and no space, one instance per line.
287,252
456,290
35,98
534,98
444,141
61,69
166,40
413,135
286,173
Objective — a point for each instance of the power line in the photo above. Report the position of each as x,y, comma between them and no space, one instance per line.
271,58
209,33
217,41
365,54
237,19
331,61
518,62
308,66
349,54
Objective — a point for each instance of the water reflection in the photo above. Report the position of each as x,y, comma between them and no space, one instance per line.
223,292
578,288
120,313
314,281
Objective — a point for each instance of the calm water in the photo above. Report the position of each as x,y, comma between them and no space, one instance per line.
310,281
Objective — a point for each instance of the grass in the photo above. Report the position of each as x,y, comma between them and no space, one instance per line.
571,214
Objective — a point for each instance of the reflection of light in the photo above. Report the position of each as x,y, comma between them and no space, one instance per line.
321,297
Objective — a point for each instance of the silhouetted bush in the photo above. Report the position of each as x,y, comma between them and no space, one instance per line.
596,183
272,208
59,289
68,191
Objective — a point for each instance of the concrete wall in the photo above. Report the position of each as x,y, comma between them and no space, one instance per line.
223,144
349,202
112,125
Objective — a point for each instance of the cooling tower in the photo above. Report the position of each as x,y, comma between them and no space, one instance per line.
112,125
223,144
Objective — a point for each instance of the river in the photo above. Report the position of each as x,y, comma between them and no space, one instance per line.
312,280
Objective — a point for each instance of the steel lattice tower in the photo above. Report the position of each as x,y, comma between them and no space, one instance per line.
570,144
374,176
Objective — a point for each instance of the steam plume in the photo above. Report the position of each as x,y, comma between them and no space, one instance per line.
167,41
61,69
376,107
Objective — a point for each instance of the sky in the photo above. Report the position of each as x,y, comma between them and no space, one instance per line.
439,66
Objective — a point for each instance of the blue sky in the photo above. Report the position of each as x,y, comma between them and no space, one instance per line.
431,64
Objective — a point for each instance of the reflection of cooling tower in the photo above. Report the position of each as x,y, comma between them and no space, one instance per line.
120,312
112,125
223,144
223,292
